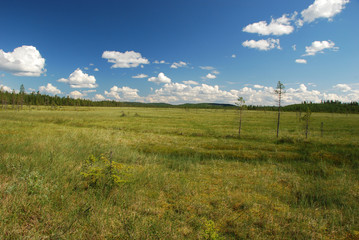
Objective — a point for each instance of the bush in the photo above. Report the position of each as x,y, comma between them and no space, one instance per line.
103,172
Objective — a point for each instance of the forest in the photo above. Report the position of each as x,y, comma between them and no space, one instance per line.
18,100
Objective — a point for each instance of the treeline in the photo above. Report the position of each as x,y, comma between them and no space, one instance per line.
324,106
21,99
13,100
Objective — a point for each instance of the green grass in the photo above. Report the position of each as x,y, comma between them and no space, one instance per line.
188,175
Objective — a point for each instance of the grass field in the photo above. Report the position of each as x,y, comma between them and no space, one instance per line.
186,175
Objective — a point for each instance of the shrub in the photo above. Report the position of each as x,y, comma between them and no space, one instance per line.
210,232
103,172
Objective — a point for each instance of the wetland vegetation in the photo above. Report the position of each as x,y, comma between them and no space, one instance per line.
180,174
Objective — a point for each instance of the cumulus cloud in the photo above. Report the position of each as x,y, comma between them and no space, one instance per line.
258,86
319,47
23,61
323,9
279,26
188,92
99,97
302,61
96,70
211,76
342,87
79,79
5,88
161,78
181,93
140,76
178,64
190,82
258,95
76,94
49,88
233,56
127,59
263,45
124,93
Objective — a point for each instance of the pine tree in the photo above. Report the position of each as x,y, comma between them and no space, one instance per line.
241,106
279,91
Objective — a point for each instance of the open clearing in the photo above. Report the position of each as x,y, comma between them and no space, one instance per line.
186,175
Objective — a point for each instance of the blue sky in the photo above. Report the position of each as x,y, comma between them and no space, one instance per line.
182,51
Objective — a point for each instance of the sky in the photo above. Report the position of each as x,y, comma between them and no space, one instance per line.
189,51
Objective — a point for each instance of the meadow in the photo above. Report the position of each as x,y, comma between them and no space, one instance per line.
183,174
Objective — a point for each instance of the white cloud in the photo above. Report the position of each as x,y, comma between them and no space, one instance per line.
86,68
78,79
319,47
233,56
323,9
206,67
5,88
211,76
96,70
49,89
127,59
23,61
162,78
302,61
342,87
124,93
91,64
259,95
178,64
263,45
181,93
160,62
279,26
215,72
190,82
294,47
76,94
99,97
140,76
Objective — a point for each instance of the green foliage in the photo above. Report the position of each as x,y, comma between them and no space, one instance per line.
240,102
306,120
306,117
103,172
211,231
22,89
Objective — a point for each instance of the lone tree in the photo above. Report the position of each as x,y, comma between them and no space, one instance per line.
240,103
22,89
306,119
279,91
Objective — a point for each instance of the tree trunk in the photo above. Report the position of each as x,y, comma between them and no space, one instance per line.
240,122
